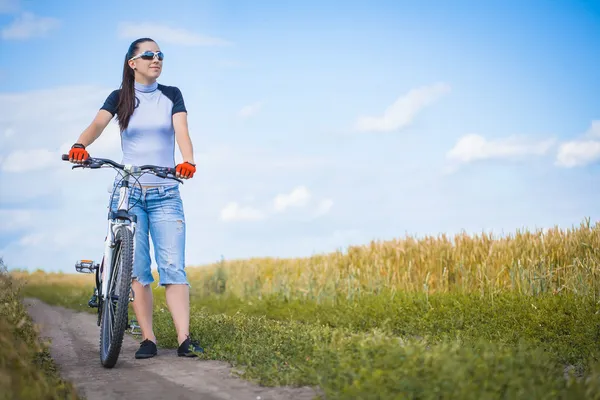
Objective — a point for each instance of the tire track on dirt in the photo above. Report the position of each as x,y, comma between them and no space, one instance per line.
74,345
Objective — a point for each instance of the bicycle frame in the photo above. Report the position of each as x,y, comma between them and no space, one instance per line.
116,218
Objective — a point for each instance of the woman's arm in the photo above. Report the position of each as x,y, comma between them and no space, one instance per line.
182,135
95,128
78,154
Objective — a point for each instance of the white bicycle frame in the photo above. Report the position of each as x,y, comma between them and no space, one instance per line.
113,223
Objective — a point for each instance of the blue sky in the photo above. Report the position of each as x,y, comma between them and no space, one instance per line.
315,126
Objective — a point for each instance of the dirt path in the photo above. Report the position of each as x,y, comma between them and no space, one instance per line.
74,347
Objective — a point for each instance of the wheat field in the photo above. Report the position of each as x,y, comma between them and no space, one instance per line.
525,262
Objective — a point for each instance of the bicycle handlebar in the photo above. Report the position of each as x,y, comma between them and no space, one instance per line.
93,162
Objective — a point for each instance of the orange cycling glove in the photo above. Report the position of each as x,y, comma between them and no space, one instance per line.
186,169
78,153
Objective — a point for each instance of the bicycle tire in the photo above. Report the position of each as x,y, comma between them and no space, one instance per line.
111,340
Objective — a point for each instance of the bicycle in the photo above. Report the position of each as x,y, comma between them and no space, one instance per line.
114,273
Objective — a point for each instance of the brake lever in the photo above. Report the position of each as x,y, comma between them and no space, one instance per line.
88,164
173,177
163,175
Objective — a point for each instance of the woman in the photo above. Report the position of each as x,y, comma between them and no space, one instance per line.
151,118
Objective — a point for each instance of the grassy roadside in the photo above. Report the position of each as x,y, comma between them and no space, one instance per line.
377,364
568,326
26,368
436,346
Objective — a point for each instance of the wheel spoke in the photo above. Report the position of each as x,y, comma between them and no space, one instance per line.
115,278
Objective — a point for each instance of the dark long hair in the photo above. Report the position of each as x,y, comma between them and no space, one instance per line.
126,103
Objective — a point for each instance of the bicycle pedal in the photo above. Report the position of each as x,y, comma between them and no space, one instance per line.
86,266
134,328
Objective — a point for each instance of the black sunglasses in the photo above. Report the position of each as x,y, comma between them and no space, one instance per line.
149,55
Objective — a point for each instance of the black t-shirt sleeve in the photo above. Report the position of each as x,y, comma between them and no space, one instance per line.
111,102
178,103
174,94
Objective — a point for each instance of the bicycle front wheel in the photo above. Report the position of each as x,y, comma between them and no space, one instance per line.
116,305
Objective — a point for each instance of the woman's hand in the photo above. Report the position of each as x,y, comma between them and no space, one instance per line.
78,154
185,170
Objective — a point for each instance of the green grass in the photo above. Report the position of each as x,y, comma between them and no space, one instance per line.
394,346
26,368
566,325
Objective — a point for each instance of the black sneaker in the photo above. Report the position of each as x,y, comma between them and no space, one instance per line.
147,349
188,346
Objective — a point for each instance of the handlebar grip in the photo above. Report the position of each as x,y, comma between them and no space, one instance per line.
65,157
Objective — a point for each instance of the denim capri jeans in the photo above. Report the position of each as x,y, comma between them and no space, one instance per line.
159,212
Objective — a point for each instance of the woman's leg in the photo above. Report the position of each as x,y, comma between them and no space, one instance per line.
178,301
142,306
142,274
167,227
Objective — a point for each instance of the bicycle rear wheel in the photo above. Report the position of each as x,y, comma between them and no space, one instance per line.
116,306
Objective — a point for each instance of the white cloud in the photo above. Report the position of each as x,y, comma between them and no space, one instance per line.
62,239
29,25
54,118
250,109
403,111
167,34
33,239
298,197
580,152
29,160
471,148
234,212
63,104
16,219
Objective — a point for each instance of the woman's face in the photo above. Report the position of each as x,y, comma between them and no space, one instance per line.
151,68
